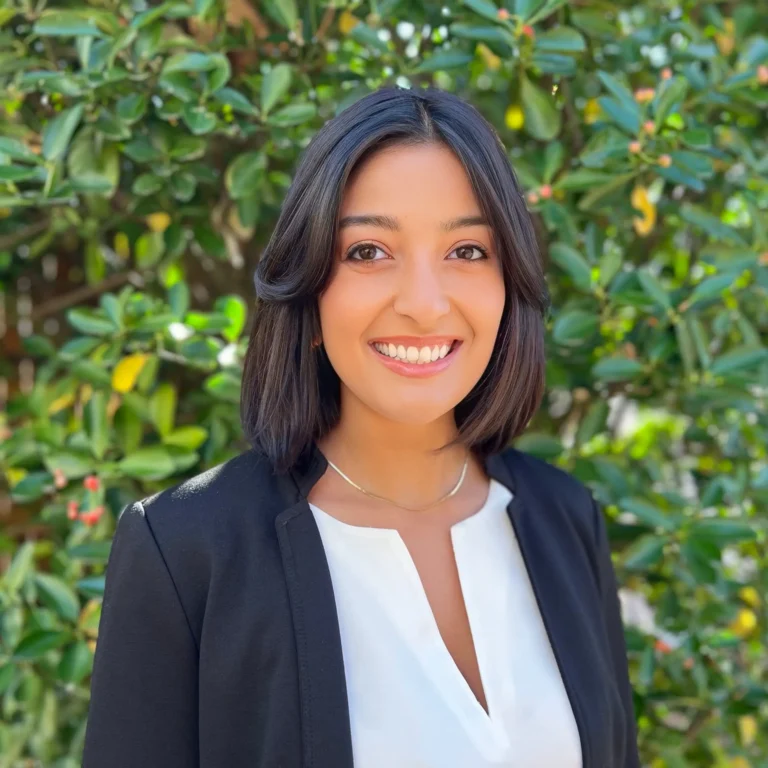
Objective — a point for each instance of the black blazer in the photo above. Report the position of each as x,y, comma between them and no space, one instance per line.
219,645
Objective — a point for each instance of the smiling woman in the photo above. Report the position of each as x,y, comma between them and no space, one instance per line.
439,599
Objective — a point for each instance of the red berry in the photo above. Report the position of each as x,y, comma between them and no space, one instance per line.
545,191
91,483
528,31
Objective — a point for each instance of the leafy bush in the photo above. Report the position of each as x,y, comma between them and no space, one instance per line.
149,150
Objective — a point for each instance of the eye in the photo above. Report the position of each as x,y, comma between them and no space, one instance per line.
483,253
370,249
365,248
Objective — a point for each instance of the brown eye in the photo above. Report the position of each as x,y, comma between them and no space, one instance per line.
467,250
367,251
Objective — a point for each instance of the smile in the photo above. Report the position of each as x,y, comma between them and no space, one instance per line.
415,361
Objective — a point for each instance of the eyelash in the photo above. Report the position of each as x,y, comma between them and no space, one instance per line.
366,262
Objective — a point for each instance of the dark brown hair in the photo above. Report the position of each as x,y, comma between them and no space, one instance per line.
290,392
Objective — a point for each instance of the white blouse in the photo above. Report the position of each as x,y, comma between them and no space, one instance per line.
409,704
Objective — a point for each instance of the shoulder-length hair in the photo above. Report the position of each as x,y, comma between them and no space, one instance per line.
290,392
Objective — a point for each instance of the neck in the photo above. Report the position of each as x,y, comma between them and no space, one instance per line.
394,460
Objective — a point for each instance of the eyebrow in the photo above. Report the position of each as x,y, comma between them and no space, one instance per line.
391,223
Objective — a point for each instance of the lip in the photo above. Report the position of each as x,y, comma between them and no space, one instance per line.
414,370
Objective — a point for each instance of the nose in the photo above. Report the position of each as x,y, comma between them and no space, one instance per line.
420,293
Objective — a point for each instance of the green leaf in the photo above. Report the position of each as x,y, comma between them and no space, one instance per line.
93,586
648,513
569,259
234,308
285,12
599,193
190,437
644,552
17,150
146,184
95,422
575,327
275,85
654,288
444,60
190,62
739,359
73,465
198,119
542,119
58,132
149,463
623,95
245,174
366,36
162,407
495,35
76,663
149,249
63,24
483,8
236,100
90,321
711,288
582,178
132,107
721,530
21,566
617,369
627,119
712,225
37,643
554,155
539,444
561,39
58,596
699,562
292,114
667,97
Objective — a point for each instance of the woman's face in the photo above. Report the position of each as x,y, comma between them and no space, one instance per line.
417,277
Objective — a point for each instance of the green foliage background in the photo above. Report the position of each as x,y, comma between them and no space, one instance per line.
152,147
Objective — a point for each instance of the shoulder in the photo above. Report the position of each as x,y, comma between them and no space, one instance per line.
193,514
552,489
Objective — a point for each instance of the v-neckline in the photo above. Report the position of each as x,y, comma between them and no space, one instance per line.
485,728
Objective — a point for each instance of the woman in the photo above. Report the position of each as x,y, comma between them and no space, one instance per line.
379,581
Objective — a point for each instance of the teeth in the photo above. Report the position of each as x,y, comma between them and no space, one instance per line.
418,355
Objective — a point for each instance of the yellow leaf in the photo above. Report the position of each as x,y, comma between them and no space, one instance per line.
726,40
122,245
591,111
492,61
739,762
127,371
347,22
86,390
643,226
158,222
750,596
61,402
747,729
744,623
514,117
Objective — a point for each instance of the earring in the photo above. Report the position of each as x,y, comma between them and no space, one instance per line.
316,342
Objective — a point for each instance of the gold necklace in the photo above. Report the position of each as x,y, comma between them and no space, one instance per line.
410,509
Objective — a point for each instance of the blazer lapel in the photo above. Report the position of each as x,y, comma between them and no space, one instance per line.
549,581
325,728
325,723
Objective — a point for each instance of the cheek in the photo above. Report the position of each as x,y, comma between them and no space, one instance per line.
346,309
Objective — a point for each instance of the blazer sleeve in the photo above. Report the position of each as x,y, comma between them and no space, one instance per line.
611,607
144,696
